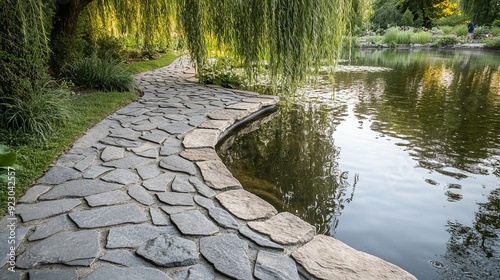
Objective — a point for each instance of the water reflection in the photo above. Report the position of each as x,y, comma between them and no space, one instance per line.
425,141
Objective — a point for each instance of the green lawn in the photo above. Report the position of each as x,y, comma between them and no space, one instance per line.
87,110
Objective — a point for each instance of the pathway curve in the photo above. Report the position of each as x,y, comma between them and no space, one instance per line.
143,195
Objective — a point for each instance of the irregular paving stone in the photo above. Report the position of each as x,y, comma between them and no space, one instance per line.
121,176
171,146
126,273
33,193
53,275
217,175
108,198
221,125
195,272
148,171
201,154
271,266
176,163
159,183
285,228
155,137
252,107
169,251
325,257
204,202
112,153
126,122
263,101
176,199
108,216
144,126
118,142
226,114
54,250
58,175
79,188
257,238
85,163
201,187
182,184
69,160
176,128
196,120
46,209
193,222
9,275
5,234
148,150
123,257
223,218
125,133
176,209
95,171
141,195
128,162
158,218
51,227
228,254
175,117
133,236
201,138
83,151
246,205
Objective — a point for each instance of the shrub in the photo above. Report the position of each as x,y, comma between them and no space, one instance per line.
407,19
480,30
492,44
461,30
391,36
221,73
421,37
405,37
450,20
445,41
102,73
446,29
111,46
495,31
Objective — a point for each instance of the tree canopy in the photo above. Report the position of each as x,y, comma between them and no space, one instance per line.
482,12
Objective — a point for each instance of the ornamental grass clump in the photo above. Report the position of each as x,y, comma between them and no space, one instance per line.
461,30
391,36
421,37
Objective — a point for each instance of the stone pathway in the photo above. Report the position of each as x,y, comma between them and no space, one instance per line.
143,195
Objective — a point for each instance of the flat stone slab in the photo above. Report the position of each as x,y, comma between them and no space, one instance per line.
176,163
46,209
169,251
252,107
118,142
141,195
270,266
217,176
112,153
257,238
182,184
228,254
79,188
285,228
201,187
223,218
58,175
108,216
195,272
159,183
121,176
54,250
133,236
193,222
262,101
129,162
158,217
107,198
53,274
156,137
85,163
148,171
201,138
123,257
33,193
95,171
51,227
125,133
176,128
201,154
176,199
227,114
325,257
126,273
221,125
176,209
246,205
204,202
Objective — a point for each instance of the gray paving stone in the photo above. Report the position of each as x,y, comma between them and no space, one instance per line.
176,199
121,176
193,222
9,275
182,184
201,138
195,272
123,257
197,120
126,273
202,188
58,175
170,251
79,188
108,216
157,137
159,120
217,175
158,217
176,163
246,205
221,125
125,133
148,150
84,151
95,171
204,202
171,146
271,266
118,142
85,163
54,250
69,160
259,239
33,193
144,126
5,234
201,154
53,275
176,209
129,162
141,195
45,209
175,117
148,171
51,227
112,153
176,128
247,106
133,236
107,198
228,254
126,122
159,183
223,218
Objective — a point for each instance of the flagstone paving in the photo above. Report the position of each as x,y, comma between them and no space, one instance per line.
143,195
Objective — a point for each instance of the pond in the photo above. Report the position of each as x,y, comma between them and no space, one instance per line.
397,155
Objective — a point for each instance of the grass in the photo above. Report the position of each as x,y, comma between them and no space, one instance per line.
461,30
141,66
35,157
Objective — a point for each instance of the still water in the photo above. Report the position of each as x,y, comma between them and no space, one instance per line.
400,159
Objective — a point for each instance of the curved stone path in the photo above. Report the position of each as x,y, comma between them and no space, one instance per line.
143,195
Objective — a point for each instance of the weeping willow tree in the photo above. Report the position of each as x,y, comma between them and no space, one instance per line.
292,37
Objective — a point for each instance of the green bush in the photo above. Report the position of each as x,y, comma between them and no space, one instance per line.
495,31
492,44
461,30
103,73
446,29
480,30
221,72
111,46
452,20
445,41
421,37
407,19
391,36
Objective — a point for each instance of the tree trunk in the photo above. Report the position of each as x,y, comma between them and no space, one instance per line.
64,31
